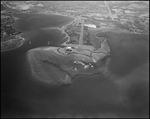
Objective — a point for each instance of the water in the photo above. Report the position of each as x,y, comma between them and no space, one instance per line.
121,92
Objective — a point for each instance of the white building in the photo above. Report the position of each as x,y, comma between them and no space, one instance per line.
90,25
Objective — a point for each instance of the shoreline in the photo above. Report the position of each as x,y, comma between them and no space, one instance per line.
63,32
62,29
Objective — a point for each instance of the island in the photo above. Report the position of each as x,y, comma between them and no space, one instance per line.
75,57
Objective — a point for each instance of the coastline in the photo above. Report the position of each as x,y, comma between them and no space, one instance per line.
62,29
63,32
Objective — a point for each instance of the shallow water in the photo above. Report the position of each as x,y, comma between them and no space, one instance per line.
121,92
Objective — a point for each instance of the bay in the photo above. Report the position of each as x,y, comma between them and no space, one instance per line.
121,92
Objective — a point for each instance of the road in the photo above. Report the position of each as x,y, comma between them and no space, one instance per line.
110,14
81,34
